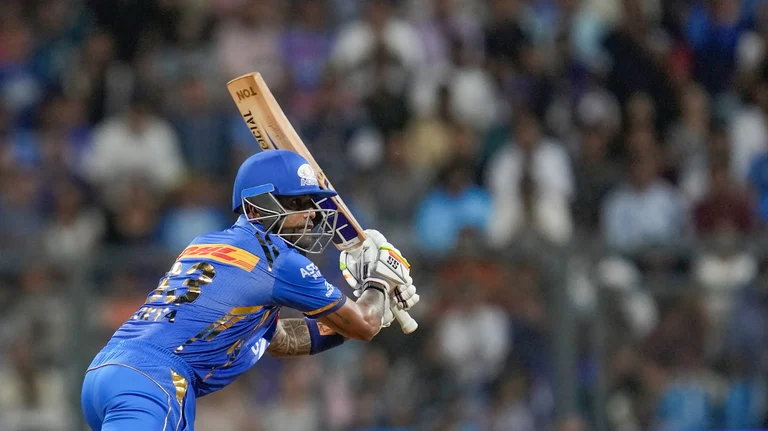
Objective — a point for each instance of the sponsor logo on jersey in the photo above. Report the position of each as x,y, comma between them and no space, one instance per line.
310,270
259,348
307,175
328,289
222,253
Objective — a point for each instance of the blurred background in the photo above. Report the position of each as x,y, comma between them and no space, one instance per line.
581,187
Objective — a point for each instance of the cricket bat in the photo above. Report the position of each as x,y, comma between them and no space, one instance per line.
272,130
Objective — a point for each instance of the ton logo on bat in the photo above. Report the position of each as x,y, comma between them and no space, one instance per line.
244,94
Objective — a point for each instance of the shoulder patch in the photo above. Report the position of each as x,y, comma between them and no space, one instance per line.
222,253
297,269
310,270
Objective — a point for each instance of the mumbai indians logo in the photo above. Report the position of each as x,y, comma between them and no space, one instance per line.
307,175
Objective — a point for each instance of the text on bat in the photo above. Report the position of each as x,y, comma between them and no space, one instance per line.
255,131
244,94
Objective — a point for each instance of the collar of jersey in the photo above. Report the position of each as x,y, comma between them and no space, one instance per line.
249,226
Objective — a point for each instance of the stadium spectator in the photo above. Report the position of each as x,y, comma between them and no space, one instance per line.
35,335
687,155
93,77
306,46
689,397
202,130
532,185
724,204
135,145
473,337
21,87
20,210
75,230
509,404
748,130
295,408
403,187
714,30
194,212
134,219
232,411
646,210
454,206
429,136
380,31
249,37
595,175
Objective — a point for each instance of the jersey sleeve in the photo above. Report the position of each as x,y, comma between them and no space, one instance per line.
301,286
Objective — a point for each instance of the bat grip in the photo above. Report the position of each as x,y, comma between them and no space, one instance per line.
407,324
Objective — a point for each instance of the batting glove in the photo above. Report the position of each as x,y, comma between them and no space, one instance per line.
375,258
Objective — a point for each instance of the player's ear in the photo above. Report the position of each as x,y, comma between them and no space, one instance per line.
250,211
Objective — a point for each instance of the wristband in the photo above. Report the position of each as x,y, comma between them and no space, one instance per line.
376,283
319,342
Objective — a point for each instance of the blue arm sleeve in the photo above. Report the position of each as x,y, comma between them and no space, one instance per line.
300,286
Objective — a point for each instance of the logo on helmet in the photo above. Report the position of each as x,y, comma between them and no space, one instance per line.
307,175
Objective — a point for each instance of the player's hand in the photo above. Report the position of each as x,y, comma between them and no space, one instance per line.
404,297
375,258
389,309
400,298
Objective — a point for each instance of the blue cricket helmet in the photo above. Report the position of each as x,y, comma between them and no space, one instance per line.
280,172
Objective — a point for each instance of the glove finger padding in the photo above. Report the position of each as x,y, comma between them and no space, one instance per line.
411,302
376,236
405,297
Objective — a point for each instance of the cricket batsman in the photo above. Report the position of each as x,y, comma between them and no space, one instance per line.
216,311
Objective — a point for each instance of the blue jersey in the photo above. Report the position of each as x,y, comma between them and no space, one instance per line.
217,307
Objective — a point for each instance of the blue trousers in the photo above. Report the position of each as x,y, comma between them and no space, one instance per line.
125,396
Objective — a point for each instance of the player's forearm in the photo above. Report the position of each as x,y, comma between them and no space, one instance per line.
359,320
292,338
372,305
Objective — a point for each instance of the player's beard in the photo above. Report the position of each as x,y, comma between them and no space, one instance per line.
305,241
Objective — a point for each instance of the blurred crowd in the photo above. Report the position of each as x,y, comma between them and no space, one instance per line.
485,138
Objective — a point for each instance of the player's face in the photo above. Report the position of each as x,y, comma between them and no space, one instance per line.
301,222
297,222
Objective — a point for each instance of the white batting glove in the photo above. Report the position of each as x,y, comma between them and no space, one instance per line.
378,254
375,258
377,237
404,295
401,298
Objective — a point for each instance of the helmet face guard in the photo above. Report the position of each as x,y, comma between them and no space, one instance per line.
273,215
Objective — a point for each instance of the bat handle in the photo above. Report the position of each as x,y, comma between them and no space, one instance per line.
407,324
